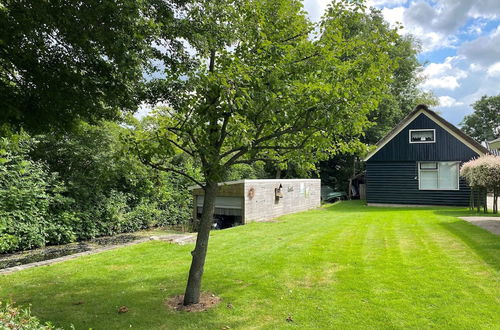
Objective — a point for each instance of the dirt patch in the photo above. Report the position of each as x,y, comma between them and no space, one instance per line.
207,300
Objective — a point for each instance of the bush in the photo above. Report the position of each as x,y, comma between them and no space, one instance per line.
143,216
30,198
113,191
14,318
84,184
483,174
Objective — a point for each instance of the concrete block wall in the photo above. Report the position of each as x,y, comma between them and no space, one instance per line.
298,195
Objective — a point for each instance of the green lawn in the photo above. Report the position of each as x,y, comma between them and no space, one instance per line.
343,266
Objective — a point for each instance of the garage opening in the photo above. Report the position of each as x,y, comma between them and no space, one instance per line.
228,211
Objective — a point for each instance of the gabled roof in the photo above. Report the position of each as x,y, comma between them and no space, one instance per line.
449,127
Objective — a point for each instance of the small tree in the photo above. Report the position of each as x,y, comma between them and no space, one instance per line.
264,84
483,176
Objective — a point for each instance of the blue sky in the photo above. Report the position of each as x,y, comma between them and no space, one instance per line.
460,46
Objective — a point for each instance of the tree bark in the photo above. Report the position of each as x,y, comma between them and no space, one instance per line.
495,201
471,202
192,294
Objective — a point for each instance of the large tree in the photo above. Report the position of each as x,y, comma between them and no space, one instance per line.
484,123
269,86
62,61
404,93
401,98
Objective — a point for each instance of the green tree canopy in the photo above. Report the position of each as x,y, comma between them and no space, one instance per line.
484,123
404,94
268,85
62,61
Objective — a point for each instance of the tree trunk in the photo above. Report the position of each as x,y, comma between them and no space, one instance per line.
192,294
478,205
485,205
495,201
471,202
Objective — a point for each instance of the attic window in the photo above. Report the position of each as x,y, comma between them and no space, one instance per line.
422,135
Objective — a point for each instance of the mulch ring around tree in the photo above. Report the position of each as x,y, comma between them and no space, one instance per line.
207,300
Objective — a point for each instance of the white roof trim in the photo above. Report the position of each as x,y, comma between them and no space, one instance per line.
412,118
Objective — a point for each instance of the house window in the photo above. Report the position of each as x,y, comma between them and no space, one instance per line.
438,175
422,135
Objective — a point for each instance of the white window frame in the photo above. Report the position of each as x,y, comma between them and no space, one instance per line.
422,130
437,170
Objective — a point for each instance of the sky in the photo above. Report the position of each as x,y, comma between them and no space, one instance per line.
460,46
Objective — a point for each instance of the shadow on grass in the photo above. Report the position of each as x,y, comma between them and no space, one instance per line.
70,293
485,244
147,308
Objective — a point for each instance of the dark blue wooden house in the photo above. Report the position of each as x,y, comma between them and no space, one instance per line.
418,162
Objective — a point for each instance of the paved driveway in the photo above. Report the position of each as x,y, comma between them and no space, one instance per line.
491,224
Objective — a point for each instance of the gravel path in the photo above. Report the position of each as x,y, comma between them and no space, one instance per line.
180,239
491,224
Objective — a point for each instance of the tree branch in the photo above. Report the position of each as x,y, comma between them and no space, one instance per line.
295,36
163,168
305,58
170,169
223,130
211,66
189,152
240,151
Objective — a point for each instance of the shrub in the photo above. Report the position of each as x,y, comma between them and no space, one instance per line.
30,198
14,318
483,174
84,184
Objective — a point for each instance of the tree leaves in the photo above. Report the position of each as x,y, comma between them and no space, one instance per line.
484,123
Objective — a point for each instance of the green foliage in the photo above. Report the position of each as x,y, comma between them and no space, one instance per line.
113,191
15,318
484,123
98,190
63,61
268,85
402,96
247,171
32,207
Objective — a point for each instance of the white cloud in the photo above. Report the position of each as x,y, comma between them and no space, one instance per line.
494,70
444,75
448,101
474,67
381,3
394,15
430,40
447,16
447,82
316,8
436,23
484,50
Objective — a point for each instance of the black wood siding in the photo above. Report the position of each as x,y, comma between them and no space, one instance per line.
446,147
397,183
392,174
